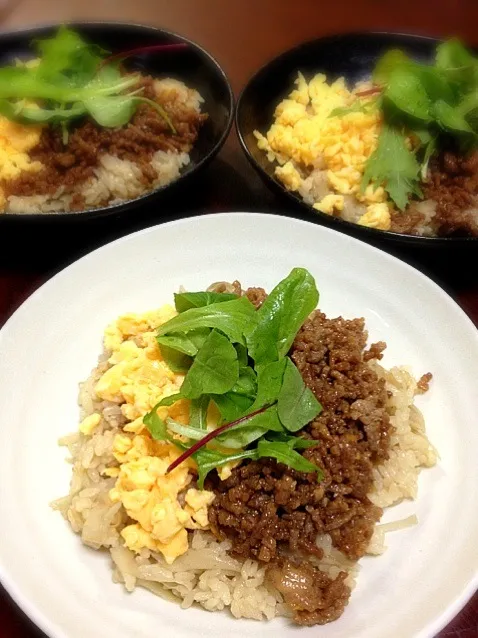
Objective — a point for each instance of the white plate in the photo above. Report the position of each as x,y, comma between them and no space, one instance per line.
53,340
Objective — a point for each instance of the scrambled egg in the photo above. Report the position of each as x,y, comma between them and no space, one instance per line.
16,140
305,137
162,507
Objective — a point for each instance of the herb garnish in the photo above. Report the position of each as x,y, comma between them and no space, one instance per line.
428,103
237,360
72,78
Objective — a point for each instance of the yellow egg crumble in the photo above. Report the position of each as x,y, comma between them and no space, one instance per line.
16,141
161,506
305,139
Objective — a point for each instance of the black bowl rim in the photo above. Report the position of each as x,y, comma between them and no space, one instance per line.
104,211
335,222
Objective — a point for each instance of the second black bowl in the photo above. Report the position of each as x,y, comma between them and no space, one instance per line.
194,66
352,56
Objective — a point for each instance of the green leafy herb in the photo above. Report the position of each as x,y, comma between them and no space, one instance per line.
430,147
296,404
184,430
198,412
175,359
186,342
242,355
209,437
208,460
283,453
251,428
294,442
392,60
239,399
112,111
281,315
393,166
451,118
215,369
432,103
237,358
186,300
358,106
171,399
71,80
159,430
269,383
230,317
406,93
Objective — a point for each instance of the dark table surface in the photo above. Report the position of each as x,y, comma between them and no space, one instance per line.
242,35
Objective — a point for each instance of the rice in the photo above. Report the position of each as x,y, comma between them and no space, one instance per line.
206,575
117,180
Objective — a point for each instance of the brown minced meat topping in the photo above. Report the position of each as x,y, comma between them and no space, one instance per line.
453,184
272,513
71,164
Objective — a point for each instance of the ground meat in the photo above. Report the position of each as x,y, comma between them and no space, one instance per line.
71,164
408,222
266,508
225,286
423,384
453,184
256,296
314,597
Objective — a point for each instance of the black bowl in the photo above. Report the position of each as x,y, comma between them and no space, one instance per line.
193,65
350,55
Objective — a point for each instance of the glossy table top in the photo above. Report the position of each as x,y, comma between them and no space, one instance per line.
242,35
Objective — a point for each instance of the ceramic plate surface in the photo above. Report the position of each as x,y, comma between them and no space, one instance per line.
52,342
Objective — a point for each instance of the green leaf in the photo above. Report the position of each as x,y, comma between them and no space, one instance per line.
176,360
67,55
186,300
21,82
237,402
171,399
198,412
390,62
186,342
269,383
242,355
283,453
294,442
158,429
296,405
407,94
430,150
244,434
111,111
215,369
459,66
281,315
358,106
21,112
232,318
188,431
393,166
208,460
451,118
